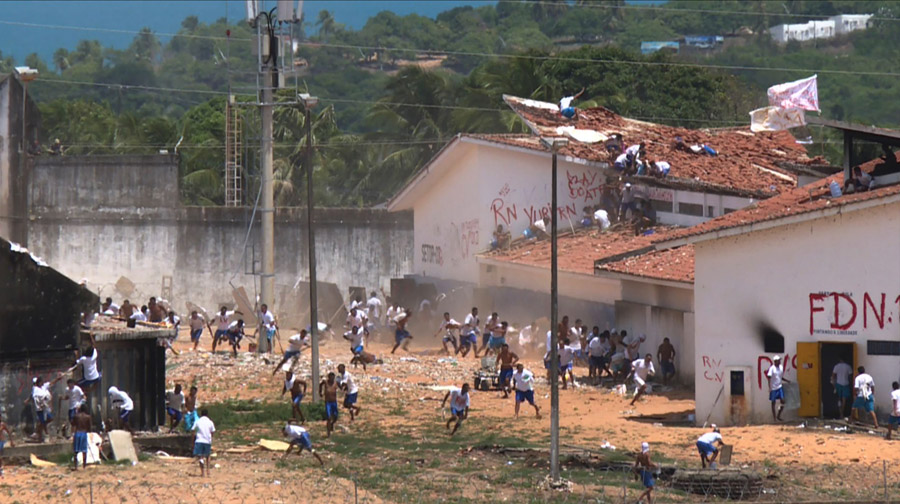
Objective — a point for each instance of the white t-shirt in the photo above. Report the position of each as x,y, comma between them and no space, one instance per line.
895,403
445,323
524,380
295,343
76,397
89,365
775,373
842,372
549,340
710,437
566,356
458,400
121,400
566,102
596,347
622,159
205,428
864,384
196,323
374,307
139,316
268,320
347,379
526,336
222,321
294,431
642,368
289,384
602,216
42,397
663,166
355,339
175,401
471,324
633,150
355,320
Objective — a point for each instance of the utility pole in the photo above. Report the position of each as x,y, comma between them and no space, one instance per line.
267,211
554,144
308,103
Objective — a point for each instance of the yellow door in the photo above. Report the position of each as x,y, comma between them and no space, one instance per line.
809,379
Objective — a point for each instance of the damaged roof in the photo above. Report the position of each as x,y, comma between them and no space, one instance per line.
746,161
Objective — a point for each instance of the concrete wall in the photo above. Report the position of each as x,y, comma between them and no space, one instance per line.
100,218
12,173
817,281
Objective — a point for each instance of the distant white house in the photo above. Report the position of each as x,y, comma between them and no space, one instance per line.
820,29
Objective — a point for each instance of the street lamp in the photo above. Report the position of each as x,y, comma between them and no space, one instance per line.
554,144
309,102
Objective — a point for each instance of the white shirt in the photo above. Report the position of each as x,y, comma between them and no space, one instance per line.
895,403
289,384
374,306
575,333
566,102
89,365
205,428
775,373
355,320
663,166
633,150
540,225
294,431
233,326
139,316
458,400
622,159
347,379
268,320
642,368
566,356
526,336
471,324
112,309
549,340
595,348
524,380
450,330
355,339
710,437
175,401
222,321
76,397
121,400
295,343
842,372
864,385
602,216
196,323
41,396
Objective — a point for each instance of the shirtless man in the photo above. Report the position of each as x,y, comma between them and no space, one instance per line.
449,326
81,425
328,389
644,467
297,388
506,359
401,335
190,409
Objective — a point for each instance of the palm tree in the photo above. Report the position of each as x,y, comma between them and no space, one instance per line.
61,59
326,24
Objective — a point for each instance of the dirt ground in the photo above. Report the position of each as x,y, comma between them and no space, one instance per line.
807,463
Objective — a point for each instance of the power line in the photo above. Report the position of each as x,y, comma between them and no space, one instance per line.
116,30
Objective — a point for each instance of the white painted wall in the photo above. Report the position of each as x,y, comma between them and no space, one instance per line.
770,275
6,207
714,205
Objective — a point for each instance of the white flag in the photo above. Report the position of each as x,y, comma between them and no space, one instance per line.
801,94
776,119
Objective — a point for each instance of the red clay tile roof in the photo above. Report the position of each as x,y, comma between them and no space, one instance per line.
809,198
577,253
742,153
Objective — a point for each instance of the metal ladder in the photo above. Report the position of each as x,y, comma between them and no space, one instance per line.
233,160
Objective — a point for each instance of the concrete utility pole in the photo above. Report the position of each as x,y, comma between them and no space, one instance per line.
554,144
267,211
308,103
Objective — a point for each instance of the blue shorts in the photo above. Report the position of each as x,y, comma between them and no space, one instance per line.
174,413
863,403
469,339
303,441
202,449
125,415
505,374
400,335
269,334
647,478
79,442
189,418
843,391
44,417
485,339
291,353
356,350
587,222
296,399
596,361
72,412
457,413
706,449
448,337
331,410
219,334
565,367
88,383
527,395
776,395
668,368
496,342
568,112
350,398
195,334
894,420
2,445
234,337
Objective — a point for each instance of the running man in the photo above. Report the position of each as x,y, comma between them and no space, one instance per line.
666,355
506,359
235,334
459,406
175,406
706,446
328,390
775,377
523,381
223,320
840,377
894,419
864,386
296,343
297,388
4,428
644,467
498,337
401,335
490,324
299,437
470,330
448,326
81,425
355,337
351,391
75,396
597,349
124,405
640,370
197,323
204,429
190,407
566,360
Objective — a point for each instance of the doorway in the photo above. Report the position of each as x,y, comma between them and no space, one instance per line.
830,354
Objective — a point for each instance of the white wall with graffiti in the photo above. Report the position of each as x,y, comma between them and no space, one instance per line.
832,280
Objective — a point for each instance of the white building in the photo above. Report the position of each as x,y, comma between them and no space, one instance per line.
820,29
801,275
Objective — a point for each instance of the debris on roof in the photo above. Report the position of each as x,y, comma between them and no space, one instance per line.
676,264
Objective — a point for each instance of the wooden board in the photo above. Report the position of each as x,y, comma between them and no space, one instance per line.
122,445
272,445
36,462
725,454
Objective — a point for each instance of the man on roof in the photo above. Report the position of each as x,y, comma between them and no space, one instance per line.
565,105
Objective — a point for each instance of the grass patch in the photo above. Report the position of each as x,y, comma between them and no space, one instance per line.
234,414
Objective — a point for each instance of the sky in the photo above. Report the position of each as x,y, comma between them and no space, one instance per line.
163,16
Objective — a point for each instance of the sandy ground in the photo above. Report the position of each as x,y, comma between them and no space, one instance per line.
589,416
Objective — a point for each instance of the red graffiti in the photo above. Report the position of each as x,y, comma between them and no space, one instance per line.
762,370
867,302
502,213
468,236
711,369
586,186
845,311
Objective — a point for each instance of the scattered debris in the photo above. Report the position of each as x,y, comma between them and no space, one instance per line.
36,462
122,445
